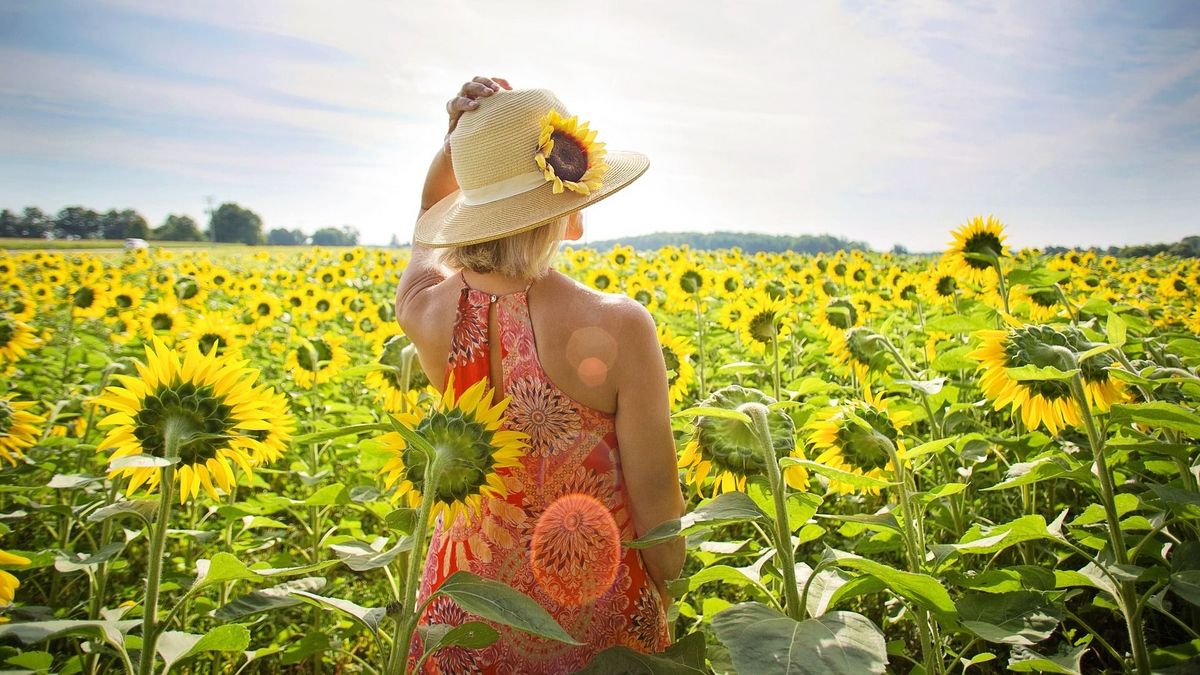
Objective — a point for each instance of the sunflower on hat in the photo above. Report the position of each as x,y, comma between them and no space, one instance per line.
569,155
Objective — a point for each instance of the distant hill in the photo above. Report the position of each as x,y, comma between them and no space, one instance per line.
749,242
1188,247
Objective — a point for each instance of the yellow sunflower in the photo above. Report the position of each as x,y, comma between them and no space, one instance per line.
206,403
164,318
19,428
763,321
1043,402
126,297
264,309
843,443
9,583
472,452
677,354
977,236
728,450
569,155
330,358
16,339
89,299
216,328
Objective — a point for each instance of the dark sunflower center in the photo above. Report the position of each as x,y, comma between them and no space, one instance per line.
643,296
1044,299
327,277
219,279
619,258
946,285
776,290
568,157
186,288
366,325
356,305
859,274
731,284
691,281
842,313
1179,285
84,297
263,309
840,269
731,445
202,410
323,305
123,300
985,243
466,450
602,281
6,415
305,357
6,332
295,300
162,321
207,340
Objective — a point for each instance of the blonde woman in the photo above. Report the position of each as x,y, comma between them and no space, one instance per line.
584,371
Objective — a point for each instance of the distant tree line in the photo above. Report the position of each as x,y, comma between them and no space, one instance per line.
228,223
1188,247
749,242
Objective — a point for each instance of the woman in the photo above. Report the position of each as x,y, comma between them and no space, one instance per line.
583,369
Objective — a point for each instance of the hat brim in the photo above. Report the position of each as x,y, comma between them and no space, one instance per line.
451,222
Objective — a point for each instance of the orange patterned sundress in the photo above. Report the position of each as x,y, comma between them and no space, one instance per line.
572,450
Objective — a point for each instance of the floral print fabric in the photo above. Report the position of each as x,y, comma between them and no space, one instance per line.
572,450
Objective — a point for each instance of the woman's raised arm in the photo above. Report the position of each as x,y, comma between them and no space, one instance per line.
423,270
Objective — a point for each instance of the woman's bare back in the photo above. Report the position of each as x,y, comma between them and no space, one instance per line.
578,332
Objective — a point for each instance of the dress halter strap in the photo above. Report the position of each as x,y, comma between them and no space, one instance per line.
494,296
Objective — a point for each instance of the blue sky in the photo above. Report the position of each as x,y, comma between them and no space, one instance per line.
1073,122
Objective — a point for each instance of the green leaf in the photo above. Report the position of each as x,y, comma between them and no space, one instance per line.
1017,618
73,562
1056,465
725,508
1158,415
267,599
143,509
920,589
703,411
762,641
1032,373
856,480
1186,584
738,576
1066,660
822,590
367,617
1116,329
471,635
1182,502
35,661
32,632
942,491
225,567
954,359
329,495
982,540
958,323
930,447
1036,276
175,646
500,603
626,661
360,557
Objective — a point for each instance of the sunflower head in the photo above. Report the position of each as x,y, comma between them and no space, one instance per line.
1040,402
19,428
569,155
728,450
978,244
205,405
858,436
470,452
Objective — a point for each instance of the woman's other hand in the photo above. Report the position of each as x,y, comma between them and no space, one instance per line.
467,99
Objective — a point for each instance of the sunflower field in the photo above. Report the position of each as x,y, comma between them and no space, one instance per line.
986,461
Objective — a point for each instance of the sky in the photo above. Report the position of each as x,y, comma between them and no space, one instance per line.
1074,123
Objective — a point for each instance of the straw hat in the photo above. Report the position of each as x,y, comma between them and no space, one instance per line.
505,187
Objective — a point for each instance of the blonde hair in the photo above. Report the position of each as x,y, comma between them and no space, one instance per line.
525,255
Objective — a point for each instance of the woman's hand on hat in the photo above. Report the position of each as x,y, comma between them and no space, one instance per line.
467,99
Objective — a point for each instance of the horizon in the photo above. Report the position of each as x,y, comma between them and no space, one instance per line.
1077,125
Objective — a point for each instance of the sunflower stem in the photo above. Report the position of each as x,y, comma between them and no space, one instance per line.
405,622
1127,590
700,342
783,530
775,349
174,430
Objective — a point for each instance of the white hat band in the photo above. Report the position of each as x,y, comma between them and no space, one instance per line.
504,189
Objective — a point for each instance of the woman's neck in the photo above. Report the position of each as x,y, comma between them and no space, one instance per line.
492,282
